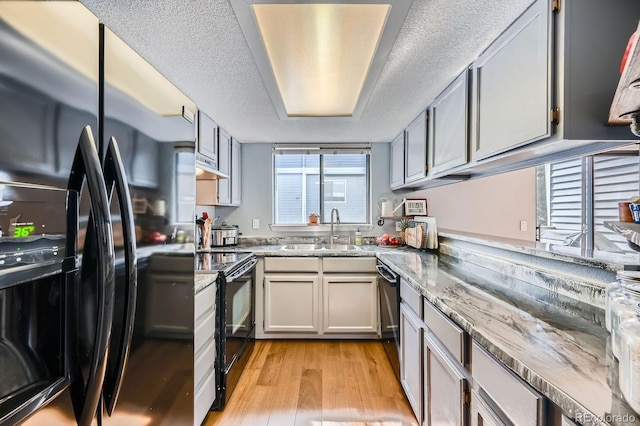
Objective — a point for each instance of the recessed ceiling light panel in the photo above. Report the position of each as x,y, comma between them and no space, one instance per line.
320,54
320,59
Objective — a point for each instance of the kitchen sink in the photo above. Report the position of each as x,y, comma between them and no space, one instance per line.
333,247
340,247
301,247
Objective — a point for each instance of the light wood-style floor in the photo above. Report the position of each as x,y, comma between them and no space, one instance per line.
316,383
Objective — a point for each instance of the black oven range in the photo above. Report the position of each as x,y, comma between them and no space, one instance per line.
235,311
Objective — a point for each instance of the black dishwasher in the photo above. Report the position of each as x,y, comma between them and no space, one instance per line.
389,288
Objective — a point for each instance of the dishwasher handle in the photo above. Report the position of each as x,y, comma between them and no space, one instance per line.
389,276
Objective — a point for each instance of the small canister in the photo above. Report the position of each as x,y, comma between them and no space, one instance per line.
629,359
624,212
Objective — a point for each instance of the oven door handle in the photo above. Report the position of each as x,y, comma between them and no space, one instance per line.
86,166
116,180
250,264
387,275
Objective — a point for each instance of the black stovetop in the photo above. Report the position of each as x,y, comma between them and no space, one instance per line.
220,261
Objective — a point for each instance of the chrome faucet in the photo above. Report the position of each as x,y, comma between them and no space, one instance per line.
331,236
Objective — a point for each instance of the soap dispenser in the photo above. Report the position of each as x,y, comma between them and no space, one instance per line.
358,237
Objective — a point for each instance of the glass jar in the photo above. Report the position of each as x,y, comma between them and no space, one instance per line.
629,359
622,306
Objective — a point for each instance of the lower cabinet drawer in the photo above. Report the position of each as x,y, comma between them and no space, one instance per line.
448,333
204,332
205,302
349,264
204,363
291,264
519,401
411,297
205,395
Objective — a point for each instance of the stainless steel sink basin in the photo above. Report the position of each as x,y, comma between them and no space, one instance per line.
332,247
301,247
340,247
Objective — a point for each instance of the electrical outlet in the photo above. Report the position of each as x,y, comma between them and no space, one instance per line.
255,224
523,225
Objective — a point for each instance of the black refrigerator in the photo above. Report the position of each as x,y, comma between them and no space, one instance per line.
97,181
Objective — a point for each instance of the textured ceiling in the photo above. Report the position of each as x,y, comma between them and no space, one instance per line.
199,46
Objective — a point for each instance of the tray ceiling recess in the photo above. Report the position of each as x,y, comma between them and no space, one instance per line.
320,59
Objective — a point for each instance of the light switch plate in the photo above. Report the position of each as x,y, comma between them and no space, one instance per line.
255,224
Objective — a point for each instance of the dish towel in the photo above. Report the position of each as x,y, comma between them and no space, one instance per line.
432,233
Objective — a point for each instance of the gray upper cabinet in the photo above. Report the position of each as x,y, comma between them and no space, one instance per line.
551,77
125,137
396,162
207,155
144,167
512,86
449,130
224,166
26,121
236,173
69,125
416,149
590,39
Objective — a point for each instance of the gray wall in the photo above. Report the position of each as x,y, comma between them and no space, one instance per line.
257,193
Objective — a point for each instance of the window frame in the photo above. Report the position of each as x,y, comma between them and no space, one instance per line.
322,150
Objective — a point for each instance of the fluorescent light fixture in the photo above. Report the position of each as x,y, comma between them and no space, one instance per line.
320,54
130,73
66,29
320,58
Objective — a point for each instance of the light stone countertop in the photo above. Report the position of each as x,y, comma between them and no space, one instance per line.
562,351
565,357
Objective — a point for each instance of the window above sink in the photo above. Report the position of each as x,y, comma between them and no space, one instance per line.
316,178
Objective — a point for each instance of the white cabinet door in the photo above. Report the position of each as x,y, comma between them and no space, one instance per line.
236,173
350,303
416,149
224,167
482,414
445,386
411,330
449,131
396,163
291,302
512,86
